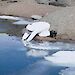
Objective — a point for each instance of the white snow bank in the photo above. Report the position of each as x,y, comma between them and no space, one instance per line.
22,22
37,53
68,71
10,17
3,34
63,58
50,45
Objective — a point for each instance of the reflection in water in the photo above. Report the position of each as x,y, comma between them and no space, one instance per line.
14,60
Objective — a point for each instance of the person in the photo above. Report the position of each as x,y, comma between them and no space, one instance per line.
40,28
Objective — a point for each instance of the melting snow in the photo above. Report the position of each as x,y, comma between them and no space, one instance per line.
37,53
10,17
63,58
22,22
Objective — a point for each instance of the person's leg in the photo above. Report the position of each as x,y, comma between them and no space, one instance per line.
32,36
25,36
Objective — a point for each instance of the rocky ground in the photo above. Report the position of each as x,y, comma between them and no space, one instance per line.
62,19
25,8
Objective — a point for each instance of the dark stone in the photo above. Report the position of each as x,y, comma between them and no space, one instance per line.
58,4
53,33
3,0
56,0
12,1
34,19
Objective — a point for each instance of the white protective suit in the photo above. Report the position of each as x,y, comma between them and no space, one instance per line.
41,28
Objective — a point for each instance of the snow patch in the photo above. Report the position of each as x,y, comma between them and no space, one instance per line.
68,71
10,17
37,53
22,22
63,58
37,17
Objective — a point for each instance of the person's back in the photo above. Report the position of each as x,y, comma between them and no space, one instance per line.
37,28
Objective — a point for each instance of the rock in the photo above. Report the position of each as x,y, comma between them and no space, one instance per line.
12,1
57,2
25,8
62,21
43,1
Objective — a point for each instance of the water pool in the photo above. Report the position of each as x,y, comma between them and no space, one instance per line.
16,59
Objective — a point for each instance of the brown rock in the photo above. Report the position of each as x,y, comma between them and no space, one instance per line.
57,2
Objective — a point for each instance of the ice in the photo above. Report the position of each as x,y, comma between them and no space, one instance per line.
68,71
37,53
10,17
63,58
50,45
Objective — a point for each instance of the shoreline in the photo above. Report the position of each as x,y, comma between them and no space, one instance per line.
58,38
27,8
49,39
